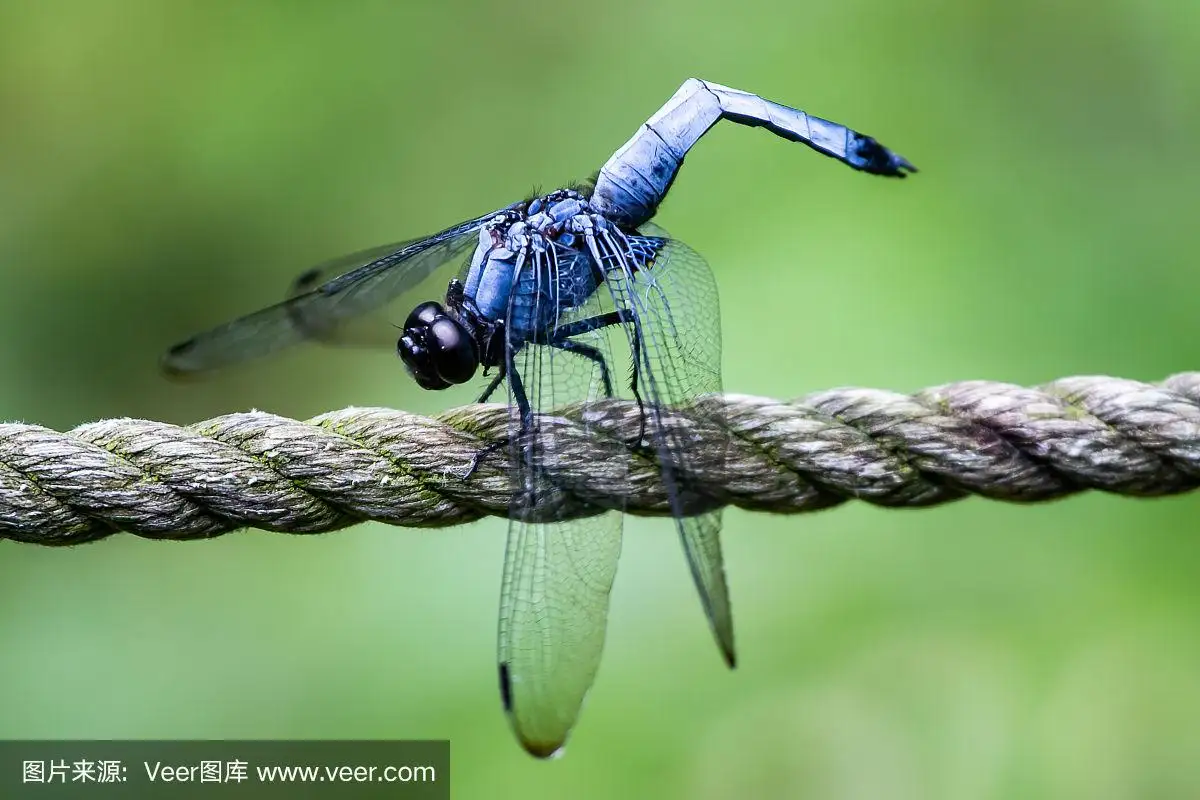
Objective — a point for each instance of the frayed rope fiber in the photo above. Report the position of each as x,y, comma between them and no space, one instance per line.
254,469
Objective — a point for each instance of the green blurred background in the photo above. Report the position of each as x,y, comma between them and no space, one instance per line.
164,166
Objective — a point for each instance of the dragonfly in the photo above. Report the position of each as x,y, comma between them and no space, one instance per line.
548,295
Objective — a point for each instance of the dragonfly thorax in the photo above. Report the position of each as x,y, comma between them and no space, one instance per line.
538,259
537,225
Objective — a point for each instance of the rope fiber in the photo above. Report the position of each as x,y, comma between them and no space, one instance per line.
254,469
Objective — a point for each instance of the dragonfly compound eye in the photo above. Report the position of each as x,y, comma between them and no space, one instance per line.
437,351
453,350
424,315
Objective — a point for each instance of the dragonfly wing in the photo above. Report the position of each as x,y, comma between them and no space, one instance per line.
373,328
557,574
673,296
553,617
363,282
701,537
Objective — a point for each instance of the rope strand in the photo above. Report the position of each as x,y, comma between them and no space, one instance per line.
996,440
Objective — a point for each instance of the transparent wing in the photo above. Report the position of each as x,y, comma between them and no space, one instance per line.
672,295
362,282
369,329
557,575
553,617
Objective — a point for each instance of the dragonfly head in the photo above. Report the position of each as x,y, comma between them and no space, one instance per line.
436,349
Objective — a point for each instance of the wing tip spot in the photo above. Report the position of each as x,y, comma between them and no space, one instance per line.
505,687
171,362
306,280
535,748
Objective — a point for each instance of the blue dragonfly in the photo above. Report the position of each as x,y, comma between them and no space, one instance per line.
550,292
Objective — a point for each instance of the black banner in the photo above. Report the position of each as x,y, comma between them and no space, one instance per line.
108,768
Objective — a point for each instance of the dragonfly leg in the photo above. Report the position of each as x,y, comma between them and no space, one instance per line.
563,341
592,323
521,400
591,354
624,316
496,381
501,374
506,370
518,392
636,348
480,455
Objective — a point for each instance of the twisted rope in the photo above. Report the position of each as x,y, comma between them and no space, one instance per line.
997,440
